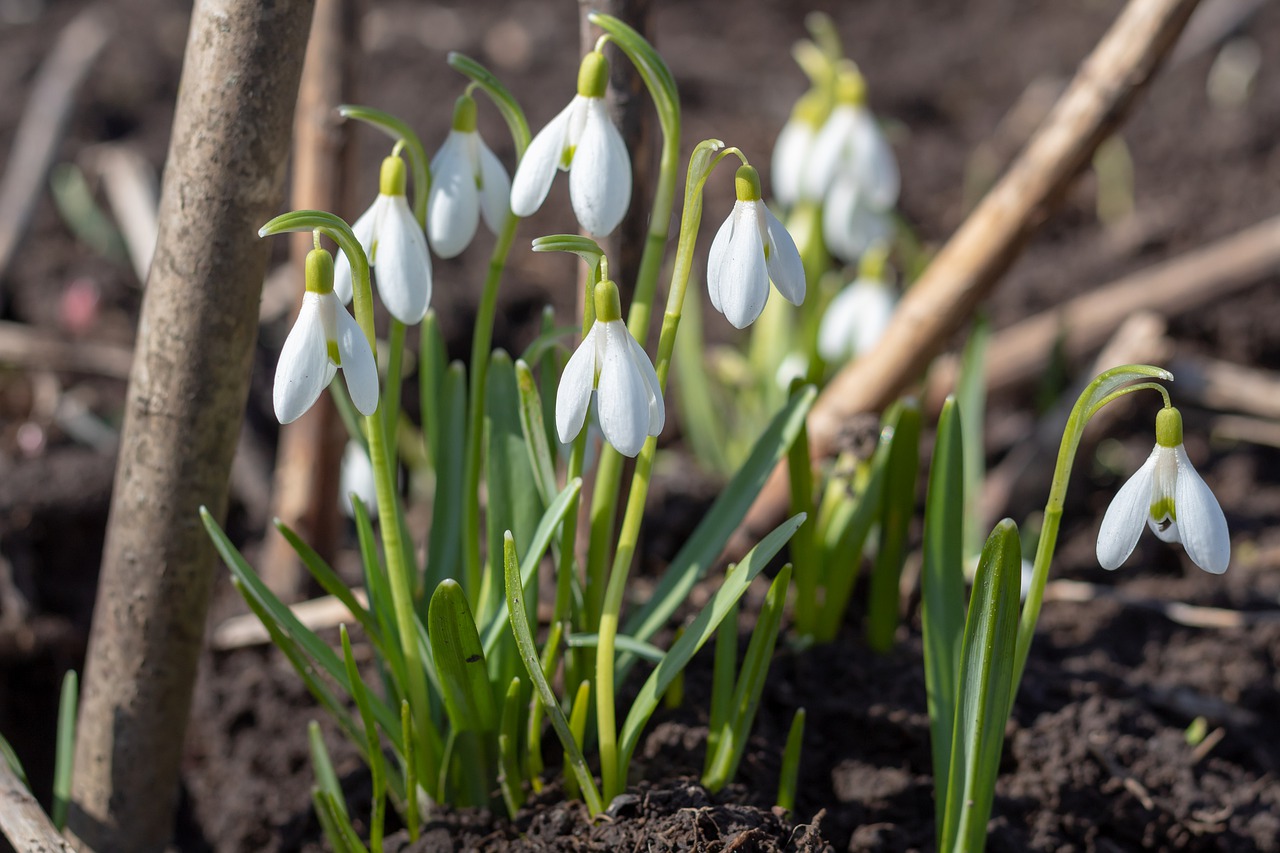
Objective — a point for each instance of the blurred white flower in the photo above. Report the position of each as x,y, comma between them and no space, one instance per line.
324,338
855,320
467,180
583,141
611,364
751,248
1167,495
396,247
356,478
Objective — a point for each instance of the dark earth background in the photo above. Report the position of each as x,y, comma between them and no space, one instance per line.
1096,758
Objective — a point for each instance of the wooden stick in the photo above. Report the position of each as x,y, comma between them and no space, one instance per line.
22,820
35,144
308,459
130,185
224,178
1021,352
27,347
1190,615
316,614
970,265
1227,387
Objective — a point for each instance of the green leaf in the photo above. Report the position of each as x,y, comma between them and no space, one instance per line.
746,695
408,735
444,549
697,633
724,673
459,658
433,361
942,588
551,519
541,461
623,643
322,765
971,396
986,684
332,584
377,763
703,424
509,779
514,503
657,77
895,519
578,732
694,560
65,753
804,551
789,776
529,655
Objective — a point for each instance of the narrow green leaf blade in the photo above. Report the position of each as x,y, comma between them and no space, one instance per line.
444,550
459,659
895,519
64,756
697,633
986,682
942,588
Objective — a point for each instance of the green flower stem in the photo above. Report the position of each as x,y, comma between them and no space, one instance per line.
1109,386
398,569
481,340
613,777
404,136
662,88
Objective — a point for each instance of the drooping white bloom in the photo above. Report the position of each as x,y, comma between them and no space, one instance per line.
583,141
324,338
610,363
751,248
1167,495
467,181
851,168
356,478
856,319
791,151
396,247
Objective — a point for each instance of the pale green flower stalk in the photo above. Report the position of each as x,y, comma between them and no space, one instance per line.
400,565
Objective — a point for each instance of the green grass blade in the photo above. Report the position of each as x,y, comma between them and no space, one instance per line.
971,397
332,584
64,755
459,659
529,655
623,643
11,758
789,776
542,538
986,681
444,550
703,424
942,589
578,731
895,519
695,559
322,765
433,361
724,672
697,633
513,500
746,695
532,422
377,764
326,815
804,552
509,778
408,735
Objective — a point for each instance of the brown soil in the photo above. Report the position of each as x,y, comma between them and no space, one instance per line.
1096,757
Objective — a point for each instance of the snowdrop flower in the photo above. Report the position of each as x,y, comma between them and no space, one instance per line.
610,363
751,248
324,338
355,477
467,181
791,151
857,318
396,247
1167,494
582,141
852,169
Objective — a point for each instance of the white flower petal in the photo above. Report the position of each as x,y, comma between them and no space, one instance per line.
537,167
404,266
715,260
622,393
600,177
363,229
357,477
786,270
829,148
657,408
873,161
495,187
358,366
1127,515
304,368
835,332
790,154
453,208
1201,524
850,225
744,278
573,396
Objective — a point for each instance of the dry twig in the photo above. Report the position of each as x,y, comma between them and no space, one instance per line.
22,820
972,262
